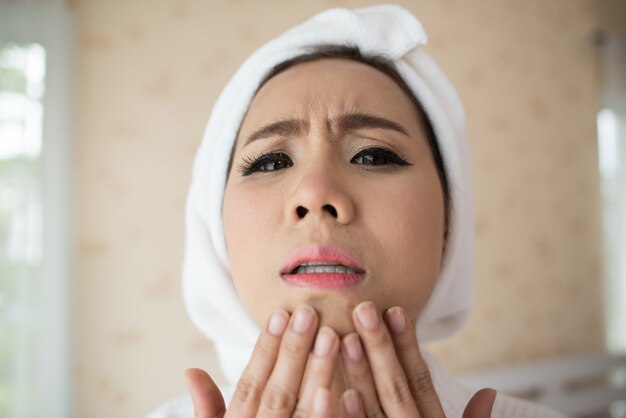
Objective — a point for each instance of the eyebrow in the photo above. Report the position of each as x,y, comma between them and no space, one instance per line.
343,123
288,127
354,121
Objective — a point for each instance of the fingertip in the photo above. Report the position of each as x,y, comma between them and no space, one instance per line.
351,347
191,376
326,342
277,323
493,392
195,378
396,320
200,384
304,319
487,394
481,404
206,396
366,316
351,403
192,371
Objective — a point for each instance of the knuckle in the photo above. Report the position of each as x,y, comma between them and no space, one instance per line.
380,342
397,390
292,348
408,348
360,373
422,383
375,413
277,400
248,389
266,349
300,413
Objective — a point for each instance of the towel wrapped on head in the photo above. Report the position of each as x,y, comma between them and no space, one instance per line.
388,31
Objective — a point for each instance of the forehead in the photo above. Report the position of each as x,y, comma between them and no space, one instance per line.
327,88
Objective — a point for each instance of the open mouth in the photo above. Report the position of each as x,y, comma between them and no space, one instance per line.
323,267
323,275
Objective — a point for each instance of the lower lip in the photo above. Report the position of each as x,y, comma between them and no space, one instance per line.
323,280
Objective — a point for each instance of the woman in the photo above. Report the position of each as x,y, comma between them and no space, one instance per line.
331,206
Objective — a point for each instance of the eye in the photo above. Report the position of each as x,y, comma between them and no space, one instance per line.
271,161
377,157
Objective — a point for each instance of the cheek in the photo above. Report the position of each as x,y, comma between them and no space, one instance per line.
251,220
410,229
249,213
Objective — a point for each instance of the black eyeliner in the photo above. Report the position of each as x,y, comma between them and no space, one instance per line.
390,155
249,166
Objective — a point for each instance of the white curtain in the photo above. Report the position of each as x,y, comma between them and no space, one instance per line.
612,162
35,234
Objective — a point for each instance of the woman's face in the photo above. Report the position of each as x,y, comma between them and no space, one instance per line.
347,165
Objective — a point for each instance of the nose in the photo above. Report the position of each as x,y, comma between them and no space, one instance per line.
319,194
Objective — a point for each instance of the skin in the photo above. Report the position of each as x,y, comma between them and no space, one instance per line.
389,378
390,217
352,351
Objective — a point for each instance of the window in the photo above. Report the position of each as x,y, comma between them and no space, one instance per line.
22,70
612,163
35,233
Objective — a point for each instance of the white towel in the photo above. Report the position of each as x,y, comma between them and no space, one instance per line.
387,30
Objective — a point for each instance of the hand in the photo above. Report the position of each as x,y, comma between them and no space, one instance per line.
272,384
389,372
389,375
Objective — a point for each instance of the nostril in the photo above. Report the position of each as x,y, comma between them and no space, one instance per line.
302,211
331,209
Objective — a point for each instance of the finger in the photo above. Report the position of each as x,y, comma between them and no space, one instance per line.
281,392
206,396
319,370
247,396
351,406
481,404
358,375
389,379
414,366
322,404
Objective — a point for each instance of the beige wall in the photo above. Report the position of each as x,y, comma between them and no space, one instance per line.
148,73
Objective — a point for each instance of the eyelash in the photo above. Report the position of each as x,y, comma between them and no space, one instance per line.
251,165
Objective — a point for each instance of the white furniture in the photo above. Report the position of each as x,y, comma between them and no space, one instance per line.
582,386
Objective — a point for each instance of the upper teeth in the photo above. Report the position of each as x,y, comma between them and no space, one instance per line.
322,267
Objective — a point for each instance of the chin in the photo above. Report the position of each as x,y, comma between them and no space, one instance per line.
334,312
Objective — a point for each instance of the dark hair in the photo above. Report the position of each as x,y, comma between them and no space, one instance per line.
385,66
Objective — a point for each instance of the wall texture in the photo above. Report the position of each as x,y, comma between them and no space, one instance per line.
148,73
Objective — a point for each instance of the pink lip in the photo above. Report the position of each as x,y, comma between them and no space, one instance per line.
325,253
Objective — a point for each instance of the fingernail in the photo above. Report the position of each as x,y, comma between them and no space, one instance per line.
353,347
324,342
321,402
367,315
351,402
278,323
396,319
303,319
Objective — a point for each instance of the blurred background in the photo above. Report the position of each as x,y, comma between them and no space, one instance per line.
102,107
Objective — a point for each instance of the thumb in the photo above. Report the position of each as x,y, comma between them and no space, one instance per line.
208,401
481,404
